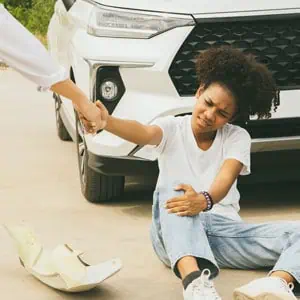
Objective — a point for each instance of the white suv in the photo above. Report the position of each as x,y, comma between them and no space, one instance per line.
137,57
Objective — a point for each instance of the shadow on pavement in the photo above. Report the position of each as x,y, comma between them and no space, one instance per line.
262,199
280,194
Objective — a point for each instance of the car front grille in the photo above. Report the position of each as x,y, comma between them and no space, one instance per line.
273,128
274,42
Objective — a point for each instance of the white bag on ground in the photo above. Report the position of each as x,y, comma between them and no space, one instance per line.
60,268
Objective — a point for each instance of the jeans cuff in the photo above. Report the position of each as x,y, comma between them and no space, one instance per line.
203,263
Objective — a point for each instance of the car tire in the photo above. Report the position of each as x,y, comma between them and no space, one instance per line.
62,132
95,187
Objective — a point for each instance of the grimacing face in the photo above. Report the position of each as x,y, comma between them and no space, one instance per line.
215,106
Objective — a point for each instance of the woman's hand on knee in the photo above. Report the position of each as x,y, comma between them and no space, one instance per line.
189,204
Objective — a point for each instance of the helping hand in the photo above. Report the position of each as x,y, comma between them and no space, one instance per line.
189,204
98,122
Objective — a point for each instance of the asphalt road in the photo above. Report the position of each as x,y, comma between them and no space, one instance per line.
39,187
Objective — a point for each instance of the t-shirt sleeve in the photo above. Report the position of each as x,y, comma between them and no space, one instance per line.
167,125
238,146
23,51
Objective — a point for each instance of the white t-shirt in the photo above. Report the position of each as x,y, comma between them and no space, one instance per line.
181,160
23,52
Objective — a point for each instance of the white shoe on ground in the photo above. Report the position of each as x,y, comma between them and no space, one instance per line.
268,288
201,288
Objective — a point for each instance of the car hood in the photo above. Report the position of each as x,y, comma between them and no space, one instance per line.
202,7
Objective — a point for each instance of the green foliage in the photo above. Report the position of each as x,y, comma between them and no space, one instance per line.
20,13
15,3
34,14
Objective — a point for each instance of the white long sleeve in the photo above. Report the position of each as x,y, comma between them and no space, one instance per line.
23,52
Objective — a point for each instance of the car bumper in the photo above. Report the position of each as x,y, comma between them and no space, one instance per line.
265,166
122,166
275,144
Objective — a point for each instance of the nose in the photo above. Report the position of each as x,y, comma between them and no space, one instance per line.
210,115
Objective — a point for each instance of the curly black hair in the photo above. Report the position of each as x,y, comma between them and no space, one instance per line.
250,82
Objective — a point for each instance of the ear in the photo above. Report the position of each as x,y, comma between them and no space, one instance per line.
236,116
199,91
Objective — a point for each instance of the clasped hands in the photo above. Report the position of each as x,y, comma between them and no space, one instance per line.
190,203
93,116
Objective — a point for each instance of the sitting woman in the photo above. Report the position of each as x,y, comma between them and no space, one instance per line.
196,228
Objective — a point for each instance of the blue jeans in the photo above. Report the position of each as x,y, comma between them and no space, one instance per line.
219,242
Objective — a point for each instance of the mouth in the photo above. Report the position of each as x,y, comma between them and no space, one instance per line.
203,122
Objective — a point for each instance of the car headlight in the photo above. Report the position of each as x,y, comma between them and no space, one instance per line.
120,23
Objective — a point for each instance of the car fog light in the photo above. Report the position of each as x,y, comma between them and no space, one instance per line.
109,87
109,90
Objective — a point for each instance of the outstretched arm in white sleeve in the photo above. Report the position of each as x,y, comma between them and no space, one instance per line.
23,51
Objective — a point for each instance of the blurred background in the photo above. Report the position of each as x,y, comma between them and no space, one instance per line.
33,14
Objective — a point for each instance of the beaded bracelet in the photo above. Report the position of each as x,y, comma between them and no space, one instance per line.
208,199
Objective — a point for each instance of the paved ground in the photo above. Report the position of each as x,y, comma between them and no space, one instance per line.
39,186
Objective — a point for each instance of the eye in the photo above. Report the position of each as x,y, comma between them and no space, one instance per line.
208,103
223,115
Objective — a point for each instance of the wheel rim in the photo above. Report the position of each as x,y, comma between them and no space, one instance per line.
81,152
